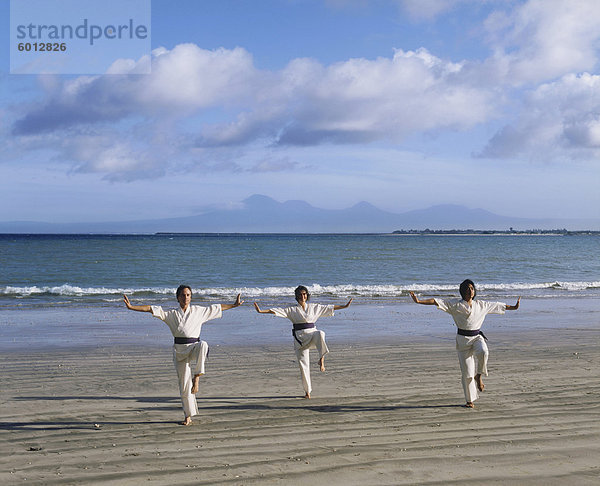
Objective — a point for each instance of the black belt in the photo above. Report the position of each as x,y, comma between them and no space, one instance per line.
468,332
185,340
299,327
303,325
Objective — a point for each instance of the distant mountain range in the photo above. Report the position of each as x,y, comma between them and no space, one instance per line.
261,214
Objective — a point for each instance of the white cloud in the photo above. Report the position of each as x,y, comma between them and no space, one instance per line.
362,100
544,39
133,125
191,78
183,81
559,120
381,98
585,133
305,103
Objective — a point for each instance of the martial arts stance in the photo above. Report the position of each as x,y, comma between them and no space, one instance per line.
189,353
468,315
306,335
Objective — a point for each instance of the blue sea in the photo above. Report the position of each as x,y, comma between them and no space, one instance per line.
67,289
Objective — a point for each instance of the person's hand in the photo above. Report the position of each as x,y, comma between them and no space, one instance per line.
514,307
414,297
238,300
126,300
256,307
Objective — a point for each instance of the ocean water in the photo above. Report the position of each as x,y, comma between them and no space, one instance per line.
71,286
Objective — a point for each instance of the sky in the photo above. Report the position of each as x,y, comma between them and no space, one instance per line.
406,104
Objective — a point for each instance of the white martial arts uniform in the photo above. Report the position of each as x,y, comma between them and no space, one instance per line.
188,358
472,350
309,338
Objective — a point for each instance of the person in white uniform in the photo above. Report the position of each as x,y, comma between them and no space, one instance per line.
468,315
306,336
189,352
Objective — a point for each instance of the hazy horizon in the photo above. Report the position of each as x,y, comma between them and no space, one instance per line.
264,215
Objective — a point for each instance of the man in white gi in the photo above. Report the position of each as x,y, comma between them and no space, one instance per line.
468,315
189,353
306,335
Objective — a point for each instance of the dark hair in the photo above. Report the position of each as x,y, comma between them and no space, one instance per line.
464,286
299,289
181,288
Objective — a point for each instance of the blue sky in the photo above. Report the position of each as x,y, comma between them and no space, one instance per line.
492,104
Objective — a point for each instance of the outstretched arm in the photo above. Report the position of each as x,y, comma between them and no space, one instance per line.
237,303
338,307
139,308
261,311
514,307
424,301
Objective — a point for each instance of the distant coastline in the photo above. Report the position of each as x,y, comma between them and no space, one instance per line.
509,232
425,232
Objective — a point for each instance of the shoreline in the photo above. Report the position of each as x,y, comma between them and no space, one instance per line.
381,414
34,330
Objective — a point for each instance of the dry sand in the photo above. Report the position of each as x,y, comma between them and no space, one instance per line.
381,414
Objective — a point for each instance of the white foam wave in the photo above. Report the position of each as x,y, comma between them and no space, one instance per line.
572,286
74,290
67,290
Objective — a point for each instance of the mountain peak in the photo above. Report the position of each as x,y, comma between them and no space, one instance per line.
364,205
258,201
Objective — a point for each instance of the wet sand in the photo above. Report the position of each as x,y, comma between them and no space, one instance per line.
388,413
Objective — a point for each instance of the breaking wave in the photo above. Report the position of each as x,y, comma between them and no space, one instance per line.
357,291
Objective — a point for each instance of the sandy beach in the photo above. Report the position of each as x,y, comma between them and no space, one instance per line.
381,414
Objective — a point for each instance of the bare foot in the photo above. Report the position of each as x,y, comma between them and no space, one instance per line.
480,385
470,405
307,396
195,384
187,421
322,363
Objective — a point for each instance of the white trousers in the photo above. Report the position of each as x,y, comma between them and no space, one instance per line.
189,360
473,357
310,339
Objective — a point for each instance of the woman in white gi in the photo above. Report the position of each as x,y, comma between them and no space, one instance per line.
468,315
189,353
306,335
